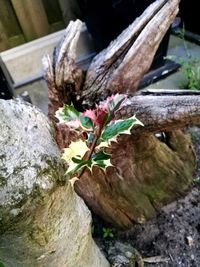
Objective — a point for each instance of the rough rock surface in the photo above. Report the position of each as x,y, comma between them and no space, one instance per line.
42,221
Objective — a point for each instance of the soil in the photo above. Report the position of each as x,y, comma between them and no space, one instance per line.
171,239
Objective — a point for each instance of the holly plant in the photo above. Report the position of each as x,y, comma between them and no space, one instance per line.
98,128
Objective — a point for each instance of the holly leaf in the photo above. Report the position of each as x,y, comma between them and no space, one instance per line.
90,113
77,164
102,144
115,102
86,123
69,115
100,156
103,164
114,129
77,160
101,160
90,137
72,182
78,148
112,104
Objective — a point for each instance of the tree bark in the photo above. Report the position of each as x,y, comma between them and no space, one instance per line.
148,172
42,220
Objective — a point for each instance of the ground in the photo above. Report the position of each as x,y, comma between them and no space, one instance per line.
172,238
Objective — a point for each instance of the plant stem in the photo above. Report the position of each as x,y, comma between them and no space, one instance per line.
97,134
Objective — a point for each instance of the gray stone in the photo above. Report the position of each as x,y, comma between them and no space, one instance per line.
43,222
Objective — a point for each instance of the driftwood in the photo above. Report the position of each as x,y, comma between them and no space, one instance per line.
162,113
148,172
121,66
127,51
63,76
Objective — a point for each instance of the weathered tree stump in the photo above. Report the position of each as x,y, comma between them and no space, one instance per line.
43,223
148,173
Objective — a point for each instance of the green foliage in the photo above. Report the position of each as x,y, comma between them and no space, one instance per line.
1,264
113,130
100,159
68,113
78,165
113,105
99,127
86,122
188,65
191,73
107,233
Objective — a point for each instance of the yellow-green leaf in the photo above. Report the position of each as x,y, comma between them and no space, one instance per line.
75,149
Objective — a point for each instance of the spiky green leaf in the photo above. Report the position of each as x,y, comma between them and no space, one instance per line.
86,122
115,103
90,137
77,160
114,129
101,156
67,113
103,164
100,159
77,164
